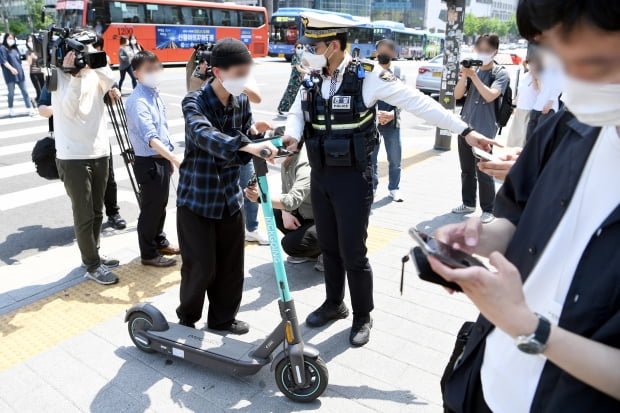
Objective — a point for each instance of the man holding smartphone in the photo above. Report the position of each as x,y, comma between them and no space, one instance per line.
483,86
547,338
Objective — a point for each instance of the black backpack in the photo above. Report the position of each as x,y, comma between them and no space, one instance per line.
503,104
44,158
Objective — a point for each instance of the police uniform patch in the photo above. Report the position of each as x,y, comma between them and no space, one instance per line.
341,102
368,66
387,76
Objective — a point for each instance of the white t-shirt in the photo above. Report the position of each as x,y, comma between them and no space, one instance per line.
510,377
527,93
80,128
550,88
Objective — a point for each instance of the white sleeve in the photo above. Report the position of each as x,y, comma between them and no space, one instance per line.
398,94
295,119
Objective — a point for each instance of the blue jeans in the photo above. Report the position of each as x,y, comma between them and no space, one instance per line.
393,147
22,86
250,208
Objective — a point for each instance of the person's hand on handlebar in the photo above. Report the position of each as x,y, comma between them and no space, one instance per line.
290,143
258,147
251,193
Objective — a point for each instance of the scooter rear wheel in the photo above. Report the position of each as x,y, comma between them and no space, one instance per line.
140,321
317,378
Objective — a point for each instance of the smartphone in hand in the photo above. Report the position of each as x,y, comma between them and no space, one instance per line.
429,246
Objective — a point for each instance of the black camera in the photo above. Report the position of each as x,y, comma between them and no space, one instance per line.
467,63
202,53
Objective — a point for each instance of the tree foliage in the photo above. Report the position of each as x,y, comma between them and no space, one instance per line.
34,8
475,26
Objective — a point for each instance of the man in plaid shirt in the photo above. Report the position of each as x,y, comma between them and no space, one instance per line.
218,141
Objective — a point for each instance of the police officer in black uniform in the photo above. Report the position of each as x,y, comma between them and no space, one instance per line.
335,113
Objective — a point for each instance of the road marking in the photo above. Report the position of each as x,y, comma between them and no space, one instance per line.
16,133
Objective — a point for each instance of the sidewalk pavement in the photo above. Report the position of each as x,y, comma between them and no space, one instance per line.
65,347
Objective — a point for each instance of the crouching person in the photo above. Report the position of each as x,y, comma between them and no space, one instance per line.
293,211
218,127
155,162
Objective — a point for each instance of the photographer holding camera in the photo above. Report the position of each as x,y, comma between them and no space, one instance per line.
82,145
482,87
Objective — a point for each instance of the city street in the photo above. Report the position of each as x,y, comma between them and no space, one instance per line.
65,346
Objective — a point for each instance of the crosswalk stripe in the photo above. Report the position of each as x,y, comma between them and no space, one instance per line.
44,192
16,133
27,167
20,119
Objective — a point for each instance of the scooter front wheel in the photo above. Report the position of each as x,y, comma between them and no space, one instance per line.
317,378
140,321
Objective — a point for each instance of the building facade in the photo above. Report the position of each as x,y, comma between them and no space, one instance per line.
411,13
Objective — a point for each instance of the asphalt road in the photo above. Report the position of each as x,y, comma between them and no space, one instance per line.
35,214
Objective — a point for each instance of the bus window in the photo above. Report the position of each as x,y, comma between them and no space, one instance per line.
360,35
223,17
252,19
284,30
200,15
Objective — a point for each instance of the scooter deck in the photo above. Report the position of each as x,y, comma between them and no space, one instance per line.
206,341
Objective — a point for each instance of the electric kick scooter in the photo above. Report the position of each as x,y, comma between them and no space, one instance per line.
301,375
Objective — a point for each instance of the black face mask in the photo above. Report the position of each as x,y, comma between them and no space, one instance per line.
384,59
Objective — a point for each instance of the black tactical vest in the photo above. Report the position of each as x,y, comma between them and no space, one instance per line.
341,130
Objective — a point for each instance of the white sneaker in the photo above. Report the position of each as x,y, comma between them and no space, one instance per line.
395,195
463,209
296,260
33,112
487,217
256,236
319,264
11,112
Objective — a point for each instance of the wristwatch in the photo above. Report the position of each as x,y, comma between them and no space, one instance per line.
535,343
467,131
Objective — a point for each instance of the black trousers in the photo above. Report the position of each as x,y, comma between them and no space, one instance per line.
300,242
470,176
110,199
341,201
153,176
212,252
38,80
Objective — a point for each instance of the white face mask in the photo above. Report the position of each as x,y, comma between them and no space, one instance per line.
595,104
10,42
134,42
152,80
486,58
235,86
315,61
299,52
29,44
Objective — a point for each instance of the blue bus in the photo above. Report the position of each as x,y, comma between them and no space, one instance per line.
410,43
361,37
286,28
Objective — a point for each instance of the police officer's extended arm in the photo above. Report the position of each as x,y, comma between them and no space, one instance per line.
377,87
294,125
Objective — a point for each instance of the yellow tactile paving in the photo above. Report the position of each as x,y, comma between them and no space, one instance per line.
54,319
379,238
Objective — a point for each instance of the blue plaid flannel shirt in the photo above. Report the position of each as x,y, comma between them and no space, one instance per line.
209,174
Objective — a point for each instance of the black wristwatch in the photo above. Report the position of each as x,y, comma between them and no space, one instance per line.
467,131
535,343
